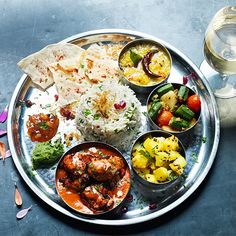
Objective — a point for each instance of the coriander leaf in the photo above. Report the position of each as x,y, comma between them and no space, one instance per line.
146,154
86,112
204,139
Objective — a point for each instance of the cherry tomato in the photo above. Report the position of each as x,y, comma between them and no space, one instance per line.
194,103
164,118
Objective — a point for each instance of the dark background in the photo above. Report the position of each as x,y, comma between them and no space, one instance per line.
27,26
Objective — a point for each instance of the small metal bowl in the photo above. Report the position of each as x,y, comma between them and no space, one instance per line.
139,88
151,122
85,146
152,190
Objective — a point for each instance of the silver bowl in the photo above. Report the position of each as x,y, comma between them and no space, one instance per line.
140,88
85,145
154,126
153,190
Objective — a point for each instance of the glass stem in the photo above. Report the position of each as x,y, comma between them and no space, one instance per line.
225,78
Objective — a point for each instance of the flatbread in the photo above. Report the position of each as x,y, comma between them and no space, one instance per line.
37,65
70,80
98,66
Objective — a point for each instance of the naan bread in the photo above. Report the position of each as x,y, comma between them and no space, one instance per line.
74,76
98,66
37,65
70,80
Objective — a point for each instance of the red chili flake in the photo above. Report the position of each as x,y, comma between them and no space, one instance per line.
67,113
103,76
129,198
124,209
56,97
152,206
28,103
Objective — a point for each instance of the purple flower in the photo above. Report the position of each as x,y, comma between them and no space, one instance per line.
3,115
2,132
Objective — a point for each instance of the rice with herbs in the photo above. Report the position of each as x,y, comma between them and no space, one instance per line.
111,113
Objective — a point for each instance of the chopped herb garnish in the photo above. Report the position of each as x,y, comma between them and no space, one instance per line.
96,116
46,106
195,157
43,125
146,154
204,139
102,155
145,113
81,66
87,112
172,176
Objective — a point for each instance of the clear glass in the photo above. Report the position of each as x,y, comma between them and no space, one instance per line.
220,52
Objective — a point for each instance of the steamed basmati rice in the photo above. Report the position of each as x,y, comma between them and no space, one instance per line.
99,120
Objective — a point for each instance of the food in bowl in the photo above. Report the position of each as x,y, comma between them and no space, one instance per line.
46,154
93,178
173,107
158,159
109,112
145,62
42,127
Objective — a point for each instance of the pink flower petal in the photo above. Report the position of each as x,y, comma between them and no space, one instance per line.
2,132
3,115
8,154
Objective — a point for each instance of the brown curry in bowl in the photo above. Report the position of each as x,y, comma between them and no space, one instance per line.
93,178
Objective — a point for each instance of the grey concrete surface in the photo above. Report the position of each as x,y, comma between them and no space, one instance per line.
27,26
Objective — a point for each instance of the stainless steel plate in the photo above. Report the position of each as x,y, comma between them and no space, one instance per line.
42,181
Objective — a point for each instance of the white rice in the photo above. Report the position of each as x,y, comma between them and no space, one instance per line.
119,126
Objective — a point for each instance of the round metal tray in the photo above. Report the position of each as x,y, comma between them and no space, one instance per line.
42,181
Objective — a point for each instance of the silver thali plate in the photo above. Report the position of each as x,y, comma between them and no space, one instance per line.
42,182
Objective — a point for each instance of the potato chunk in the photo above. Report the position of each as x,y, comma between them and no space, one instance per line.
161,159
161,174
151,178
149,144
178,165
140,161
170,100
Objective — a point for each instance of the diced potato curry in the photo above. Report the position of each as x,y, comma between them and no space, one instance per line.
158,159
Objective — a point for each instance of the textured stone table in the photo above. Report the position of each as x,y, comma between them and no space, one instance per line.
27,26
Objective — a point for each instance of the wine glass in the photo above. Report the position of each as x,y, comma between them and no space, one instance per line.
220,53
